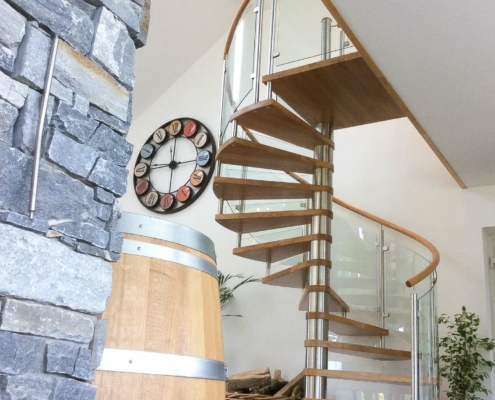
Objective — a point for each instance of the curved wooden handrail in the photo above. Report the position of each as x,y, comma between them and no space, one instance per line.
233,28
435,254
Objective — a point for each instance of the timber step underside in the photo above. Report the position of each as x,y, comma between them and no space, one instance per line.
280,249
247,153
333,302
360,376
348,327
357,350
342,90
250,189
262,221
296,276
273,119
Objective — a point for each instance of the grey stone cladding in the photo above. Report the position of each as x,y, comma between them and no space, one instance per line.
55,275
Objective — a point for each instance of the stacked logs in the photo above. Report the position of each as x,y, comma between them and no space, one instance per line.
259,385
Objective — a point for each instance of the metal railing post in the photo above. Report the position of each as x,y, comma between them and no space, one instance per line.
257,51
381,284
414,346
271,52
41,127
317,329
342,43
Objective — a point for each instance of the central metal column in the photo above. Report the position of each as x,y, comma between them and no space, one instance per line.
317,329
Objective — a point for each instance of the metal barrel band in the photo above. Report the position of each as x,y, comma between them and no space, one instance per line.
143,225
145,362
158,252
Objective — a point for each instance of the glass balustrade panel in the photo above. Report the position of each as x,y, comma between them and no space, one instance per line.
402,262
299,33
354,273
239,66
366,390
428,345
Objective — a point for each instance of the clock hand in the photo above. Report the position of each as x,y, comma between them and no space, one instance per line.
185,162
155,166
171,175
175,145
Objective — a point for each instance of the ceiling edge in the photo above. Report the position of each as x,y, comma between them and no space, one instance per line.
388,86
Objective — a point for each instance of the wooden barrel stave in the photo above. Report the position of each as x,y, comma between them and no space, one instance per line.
160,306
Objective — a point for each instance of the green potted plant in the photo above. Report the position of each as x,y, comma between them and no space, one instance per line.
462,362
227,293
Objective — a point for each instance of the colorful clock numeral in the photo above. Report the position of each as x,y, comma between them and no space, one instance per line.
184,194
151,199
141,170
197,178
167,202
159,136
142,186
200,140
190,129
175,127
204,158
147,151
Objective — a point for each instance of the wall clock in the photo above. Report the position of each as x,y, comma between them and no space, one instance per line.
174,166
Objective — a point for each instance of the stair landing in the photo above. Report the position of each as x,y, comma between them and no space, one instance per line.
343,90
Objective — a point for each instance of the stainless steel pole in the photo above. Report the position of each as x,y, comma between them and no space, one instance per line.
222,101
414,346
342,43
220,139
317,329
381,285
41,127
257,51
271,52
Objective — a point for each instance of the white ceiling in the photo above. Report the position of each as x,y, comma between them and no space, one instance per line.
440,57
181,31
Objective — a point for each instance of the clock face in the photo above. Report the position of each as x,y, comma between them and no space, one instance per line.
174,166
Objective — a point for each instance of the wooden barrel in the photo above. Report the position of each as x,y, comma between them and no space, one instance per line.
164,338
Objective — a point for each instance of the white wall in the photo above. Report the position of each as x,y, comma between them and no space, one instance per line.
386,169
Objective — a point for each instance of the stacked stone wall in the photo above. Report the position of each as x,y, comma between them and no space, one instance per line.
55,275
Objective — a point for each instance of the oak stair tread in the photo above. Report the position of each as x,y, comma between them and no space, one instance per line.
341,90
280,249
358,350
237,151
273,119
360,376
348,327
250,189
334,302
296,276
262,221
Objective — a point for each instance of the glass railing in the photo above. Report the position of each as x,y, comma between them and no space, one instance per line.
298,39
428,345
239,65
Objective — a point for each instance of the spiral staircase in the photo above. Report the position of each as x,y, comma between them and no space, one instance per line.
312,101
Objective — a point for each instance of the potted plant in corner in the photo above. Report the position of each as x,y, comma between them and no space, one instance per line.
227,293
463,364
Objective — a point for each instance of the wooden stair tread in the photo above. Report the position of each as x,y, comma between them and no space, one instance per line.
334,301
348,327
262,221
250,189
236,151
294,277
358,350
360,376
279,249
343,90
273,119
